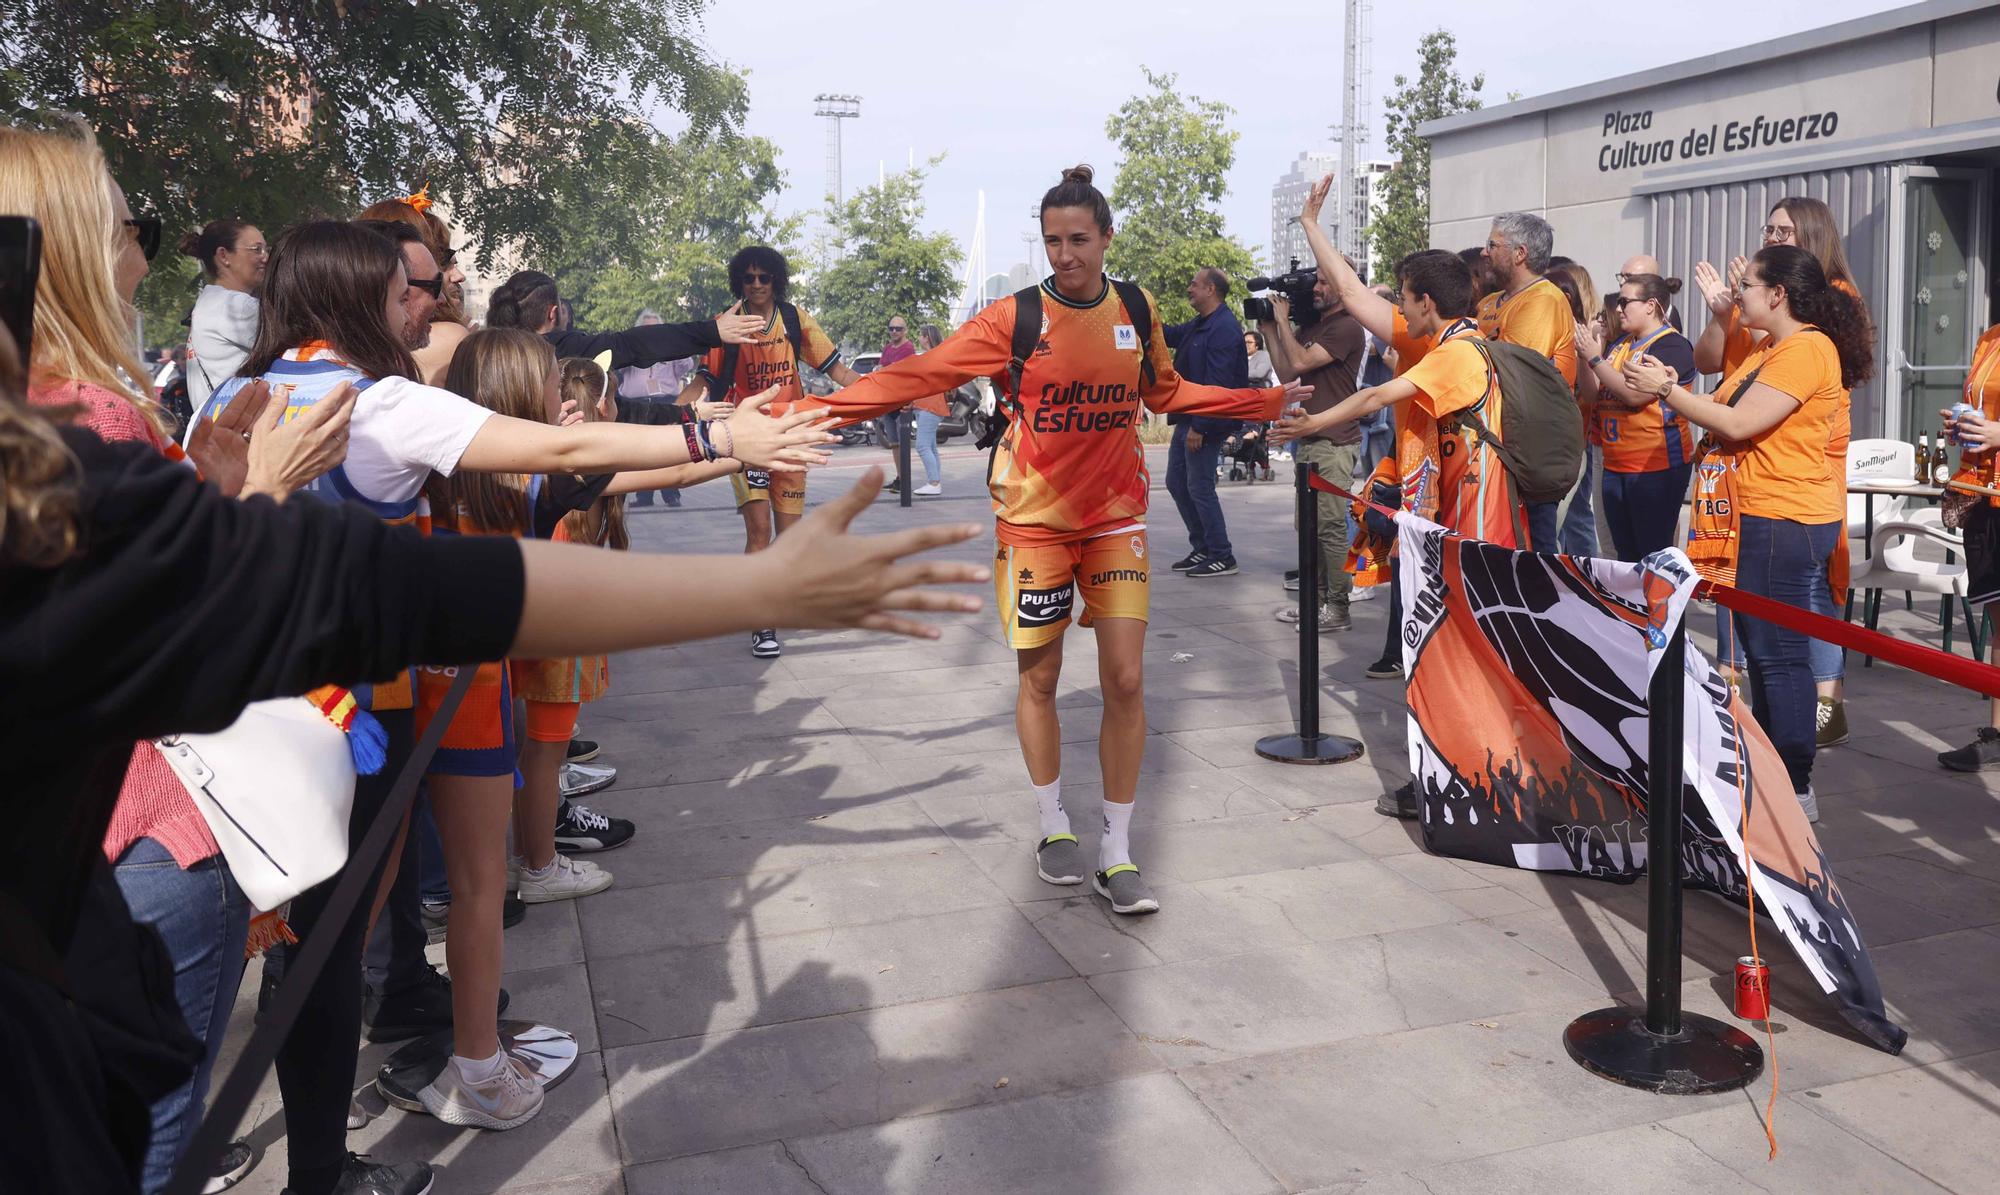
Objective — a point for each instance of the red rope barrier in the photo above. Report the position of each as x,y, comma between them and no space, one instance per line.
1953,670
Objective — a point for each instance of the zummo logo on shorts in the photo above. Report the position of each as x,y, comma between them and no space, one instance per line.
1118,574
1043,607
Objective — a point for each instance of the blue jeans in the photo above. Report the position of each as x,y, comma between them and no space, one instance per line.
1579,525
1543,530
1191,481
1378,438
927,425
1643,510
1785,561
645,497
1829,660
202,918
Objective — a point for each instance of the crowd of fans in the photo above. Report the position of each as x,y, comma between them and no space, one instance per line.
468,486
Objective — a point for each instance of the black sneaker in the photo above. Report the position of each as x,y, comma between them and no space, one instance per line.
1188,561
360,1176
581,751
423,1007
1980,755
1401,803
581,830
1221,566
236,1160
1386,668
513,911
764,645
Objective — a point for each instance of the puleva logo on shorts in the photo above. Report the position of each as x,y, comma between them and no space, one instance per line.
1044,607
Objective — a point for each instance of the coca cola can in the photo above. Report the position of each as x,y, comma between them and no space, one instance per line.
1958,411
1753,989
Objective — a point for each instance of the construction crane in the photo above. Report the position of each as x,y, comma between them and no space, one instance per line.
835,108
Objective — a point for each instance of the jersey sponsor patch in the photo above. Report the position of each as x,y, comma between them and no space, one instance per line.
1124,336
1044,607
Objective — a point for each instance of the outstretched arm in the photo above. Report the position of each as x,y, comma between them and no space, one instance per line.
1376,313
978,349
1347,410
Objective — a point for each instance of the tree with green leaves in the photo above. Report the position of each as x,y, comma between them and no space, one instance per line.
1175,152
1403,225
874,261
666,244
278,110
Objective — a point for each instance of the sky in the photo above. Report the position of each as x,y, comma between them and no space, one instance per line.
1013,92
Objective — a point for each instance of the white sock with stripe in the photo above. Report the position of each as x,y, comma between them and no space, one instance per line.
1048,798
1117,825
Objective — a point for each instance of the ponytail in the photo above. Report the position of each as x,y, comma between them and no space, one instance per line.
1832,310
214,237
522,301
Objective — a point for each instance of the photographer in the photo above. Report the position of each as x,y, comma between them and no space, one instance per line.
1327,354
1208,349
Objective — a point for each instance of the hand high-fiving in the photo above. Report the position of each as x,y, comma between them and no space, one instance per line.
737,327
785,442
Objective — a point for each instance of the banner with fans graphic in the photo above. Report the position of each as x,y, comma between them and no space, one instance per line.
1528,723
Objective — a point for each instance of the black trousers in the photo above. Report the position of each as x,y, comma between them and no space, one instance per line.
316,1063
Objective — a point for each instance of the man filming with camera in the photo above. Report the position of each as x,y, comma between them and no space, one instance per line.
1323,345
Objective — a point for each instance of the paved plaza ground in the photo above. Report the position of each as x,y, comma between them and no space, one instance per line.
827,965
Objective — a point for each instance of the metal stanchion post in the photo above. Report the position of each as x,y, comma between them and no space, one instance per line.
1661,1048
906,426
1308,745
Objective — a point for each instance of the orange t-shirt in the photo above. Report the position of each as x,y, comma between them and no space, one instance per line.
1071,466
1982,390
1453,476
1535,317
769,361
1740,342
1787,472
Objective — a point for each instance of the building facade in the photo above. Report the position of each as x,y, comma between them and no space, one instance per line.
1288,194
1893,120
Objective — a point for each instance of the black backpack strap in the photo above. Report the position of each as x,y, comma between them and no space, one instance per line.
1027,334
725,381
790,315
1133,296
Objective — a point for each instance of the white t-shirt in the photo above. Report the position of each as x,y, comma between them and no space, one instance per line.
221,334
403,431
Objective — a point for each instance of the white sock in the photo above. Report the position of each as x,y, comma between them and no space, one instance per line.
539,873
1117,825
479,1071
1048,798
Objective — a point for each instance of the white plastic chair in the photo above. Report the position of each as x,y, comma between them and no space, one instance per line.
1891,460
1894,565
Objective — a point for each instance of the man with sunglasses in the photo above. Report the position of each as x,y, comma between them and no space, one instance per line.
759,276
426,289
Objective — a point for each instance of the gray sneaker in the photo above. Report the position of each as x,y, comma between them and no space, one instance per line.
1059,859
1125,890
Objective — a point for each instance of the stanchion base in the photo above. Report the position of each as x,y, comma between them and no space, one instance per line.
549,1052
1708,1055
1325,748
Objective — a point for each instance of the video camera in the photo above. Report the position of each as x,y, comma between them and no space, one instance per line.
1296,285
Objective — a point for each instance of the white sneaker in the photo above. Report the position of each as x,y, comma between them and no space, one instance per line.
1361,593
929,489
507,1100
567,879
1809,803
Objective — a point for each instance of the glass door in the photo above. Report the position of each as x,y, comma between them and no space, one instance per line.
1939,305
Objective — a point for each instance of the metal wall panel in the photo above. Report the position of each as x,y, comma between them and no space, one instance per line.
1716,223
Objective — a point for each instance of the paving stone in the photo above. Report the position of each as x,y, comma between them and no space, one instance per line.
868,1067
664,994
623,920
1261,842
1331,991
768,1169
547,937
1144,1134
1937,1120
667,852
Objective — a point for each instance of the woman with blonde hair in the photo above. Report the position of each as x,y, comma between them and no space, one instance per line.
165,861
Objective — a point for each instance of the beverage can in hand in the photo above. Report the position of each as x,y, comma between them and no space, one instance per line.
1753,989
1959,410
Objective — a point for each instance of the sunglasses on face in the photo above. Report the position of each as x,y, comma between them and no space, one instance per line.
434,287
755,279
450,256
897,328
146,232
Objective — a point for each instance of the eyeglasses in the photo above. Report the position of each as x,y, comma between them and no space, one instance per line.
1493,246
260,249
754,278
434,287
1743,286
450,256
1625,301
146,231
1779,233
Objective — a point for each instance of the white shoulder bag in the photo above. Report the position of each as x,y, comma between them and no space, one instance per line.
276,789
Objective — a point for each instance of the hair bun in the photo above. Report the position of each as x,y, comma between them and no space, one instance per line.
1673,286
191,245
1079,174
